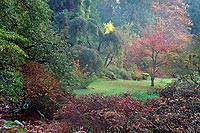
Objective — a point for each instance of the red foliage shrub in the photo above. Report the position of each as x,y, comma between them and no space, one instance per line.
175,115
104,113
43,89
167,92
87,111
44,126
97,113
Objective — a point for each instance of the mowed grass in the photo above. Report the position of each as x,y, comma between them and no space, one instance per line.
139,89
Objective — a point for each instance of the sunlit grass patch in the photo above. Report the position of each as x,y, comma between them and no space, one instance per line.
111,87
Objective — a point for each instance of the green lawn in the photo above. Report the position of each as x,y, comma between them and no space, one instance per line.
137,88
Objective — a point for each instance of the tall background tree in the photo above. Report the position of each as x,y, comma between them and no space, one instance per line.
27,18
76,22
193,8
171,15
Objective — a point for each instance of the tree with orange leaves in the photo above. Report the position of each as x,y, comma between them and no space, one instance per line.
171,15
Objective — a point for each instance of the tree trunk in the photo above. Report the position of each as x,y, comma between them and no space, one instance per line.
99,47
111,58
152,80
153,70
106,61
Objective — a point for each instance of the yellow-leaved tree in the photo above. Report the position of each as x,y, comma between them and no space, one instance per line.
108,27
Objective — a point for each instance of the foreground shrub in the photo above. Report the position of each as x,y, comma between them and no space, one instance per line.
178,108
175,114
86,111
97,113
43,89
104,113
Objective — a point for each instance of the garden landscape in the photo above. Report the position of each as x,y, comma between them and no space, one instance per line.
99,66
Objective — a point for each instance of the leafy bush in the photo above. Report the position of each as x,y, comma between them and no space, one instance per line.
87,111
120,73
11,84
176,113
80,76
8,38
137,75
12,56
42,88
168,91
88,58
11,59
145,76
97,113
106,74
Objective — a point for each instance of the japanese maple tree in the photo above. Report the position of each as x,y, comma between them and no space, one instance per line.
153,48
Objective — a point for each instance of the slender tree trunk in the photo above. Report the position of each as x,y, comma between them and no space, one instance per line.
153,70
111,58
106,61
90,46
152,80
99,47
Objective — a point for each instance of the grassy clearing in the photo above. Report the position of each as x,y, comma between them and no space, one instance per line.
137,88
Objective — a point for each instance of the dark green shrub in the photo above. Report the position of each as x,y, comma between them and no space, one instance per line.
88,58
106,74
120,73
11,84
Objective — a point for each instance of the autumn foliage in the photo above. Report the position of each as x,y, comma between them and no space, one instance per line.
171,15
153,48
176,110
97,113
42,88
